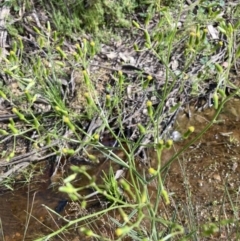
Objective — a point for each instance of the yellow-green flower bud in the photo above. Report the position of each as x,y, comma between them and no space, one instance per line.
188,132
68,122
86,78
79,50
169,144
150,108
13,129
68,188
87,232
230,28
165,196
3,132
58,109
55,36
84,204
135,24
197,28
149,77
60,51
88,98
120,73
40,41
222,93
12,121
10,156
149,103
68,151
147,19
123,230
191,38
152,171
218,68
14,46
146,83
76,56
35,146
36,30
124,215
144,196
60,63
12,56
108,100
3,95
49,27
220,43
36,123
147,37
136,48
204,34
120,77
197,40
92,48
66,119
160,145
29,98
96,137
20,43
8,72
20,116
70,178
85,45
93,158
215,100
142,130
125,185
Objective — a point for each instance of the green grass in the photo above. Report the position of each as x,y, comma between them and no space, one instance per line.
42,100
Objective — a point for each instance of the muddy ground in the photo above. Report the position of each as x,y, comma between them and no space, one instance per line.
203,184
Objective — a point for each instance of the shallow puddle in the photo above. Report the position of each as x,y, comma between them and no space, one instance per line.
201,182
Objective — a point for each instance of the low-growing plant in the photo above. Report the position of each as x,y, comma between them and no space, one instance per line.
93,16
41,83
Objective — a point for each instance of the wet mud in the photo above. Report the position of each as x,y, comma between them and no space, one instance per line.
203,183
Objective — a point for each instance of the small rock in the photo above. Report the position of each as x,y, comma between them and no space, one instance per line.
217,177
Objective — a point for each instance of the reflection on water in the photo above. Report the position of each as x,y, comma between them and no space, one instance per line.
22,211
207,167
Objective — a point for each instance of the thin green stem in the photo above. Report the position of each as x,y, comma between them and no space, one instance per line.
201,133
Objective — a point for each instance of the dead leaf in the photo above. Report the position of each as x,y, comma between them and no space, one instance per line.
213,32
